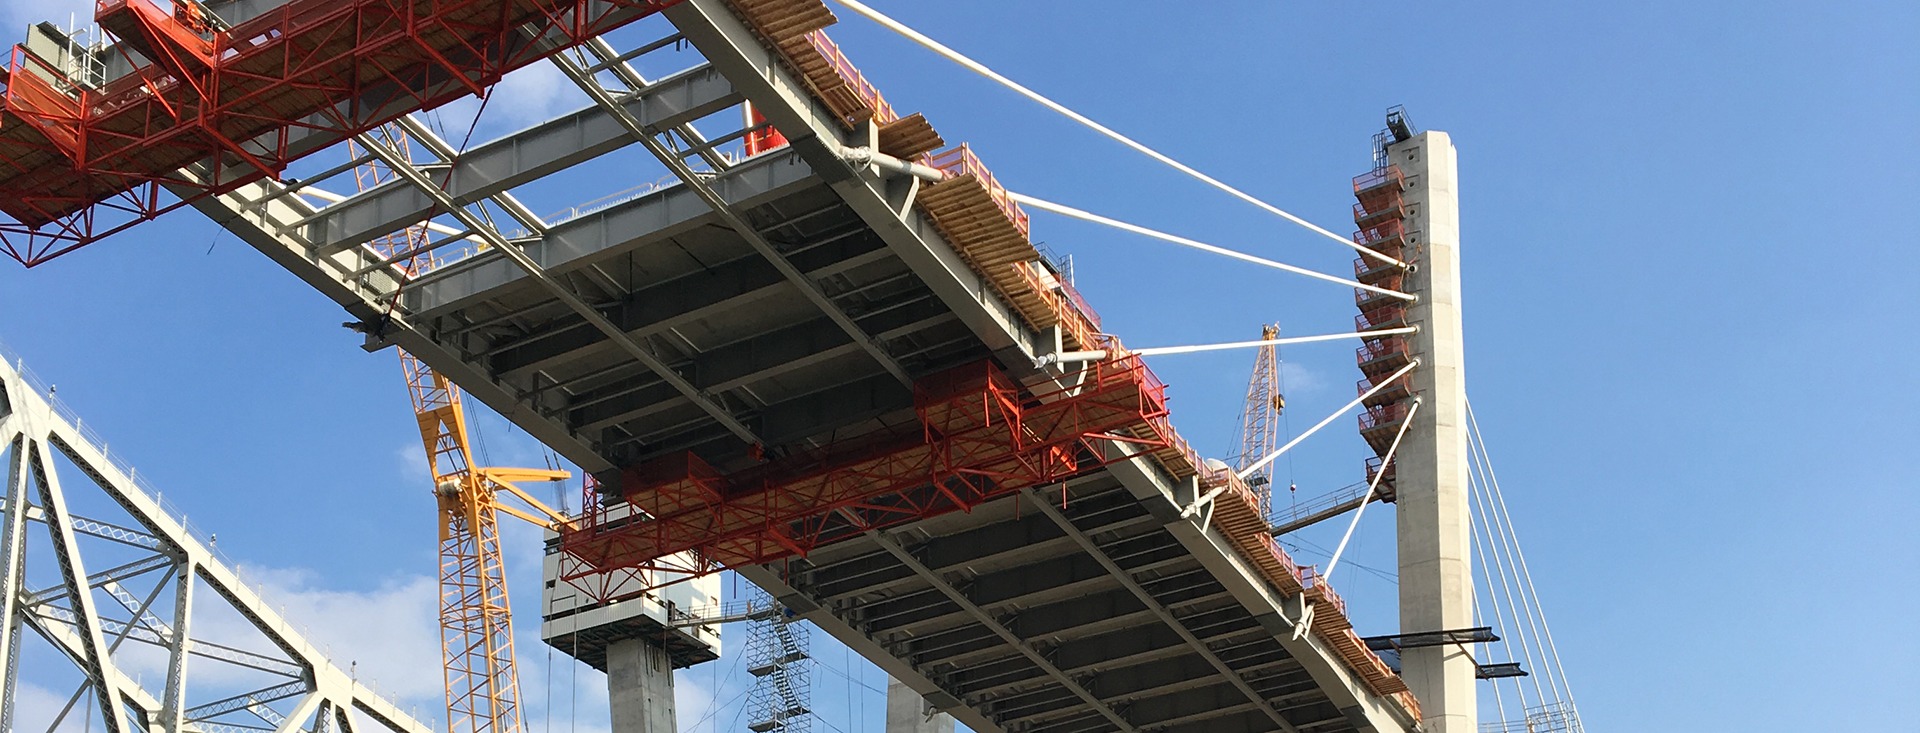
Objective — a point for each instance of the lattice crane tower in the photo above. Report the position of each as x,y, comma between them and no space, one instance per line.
476,618
1260,418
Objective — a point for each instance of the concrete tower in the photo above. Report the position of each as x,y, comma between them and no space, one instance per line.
1436,570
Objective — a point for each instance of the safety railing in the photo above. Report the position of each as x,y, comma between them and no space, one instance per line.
1373,469
33,89
1401,387
837,61
1079,327
1378,178
1369,299
1382,416
1314,582
1389,206
1385,316
1381,348
1378,234
960,161
1079,301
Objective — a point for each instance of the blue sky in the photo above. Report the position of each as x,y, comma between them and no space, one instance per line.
1684,235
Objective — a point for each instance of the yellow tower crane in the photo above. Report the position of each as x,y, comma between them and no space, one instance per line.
476,624
1260,418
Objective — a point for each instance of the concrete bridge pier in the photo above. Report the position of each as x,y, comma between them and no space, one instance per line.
907,712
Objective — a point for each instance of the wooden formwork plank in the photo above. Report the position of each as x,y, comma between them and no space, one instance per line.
909,137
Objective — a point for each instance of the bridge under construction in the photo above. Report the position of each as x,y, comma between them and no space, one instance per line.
823,352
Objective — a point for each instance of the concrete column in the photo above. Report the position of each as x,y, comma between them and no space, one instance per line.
906,712
640,687
1436,569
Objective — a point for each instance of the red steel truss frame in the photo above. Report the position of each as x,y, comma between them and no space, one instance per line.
982,436
237,106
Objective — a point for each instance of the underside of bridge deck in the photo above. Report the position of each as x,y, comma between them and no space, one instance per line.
759,306
1067,610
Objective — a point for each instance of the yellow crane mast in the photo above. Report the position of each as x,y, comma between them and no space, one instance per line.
1260,418
476,623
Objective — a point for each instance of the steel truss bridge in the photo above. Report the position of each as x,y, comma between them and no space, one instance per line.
802,363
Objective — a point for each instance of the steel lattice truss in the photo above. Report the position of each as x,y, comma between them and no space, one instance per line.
157,632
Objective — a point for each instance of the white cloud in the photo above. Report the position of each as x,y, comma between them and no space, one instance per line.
35,706
1299,379
527,96
389,635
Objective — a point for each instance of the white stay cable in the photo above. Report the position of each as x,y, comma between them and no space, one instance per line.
1081,214
1499,625
1248,471
1508,545
981,69
1480,446
1094,355
1166,350
1372,486
1499,703
1500,570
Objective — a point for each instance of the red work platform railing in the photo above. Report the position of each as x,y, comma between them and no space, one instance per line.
1382,356
1384,234
1385,316
1388,177
1373,467
1399,389
982,436
1393,280
238,105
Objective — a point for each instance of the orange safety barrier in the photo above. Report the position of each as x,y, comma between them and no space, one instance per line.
868,102
960,161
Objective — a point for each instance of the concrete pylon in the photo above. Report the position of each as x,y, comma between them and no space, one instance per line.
907,712
640,687
1435,530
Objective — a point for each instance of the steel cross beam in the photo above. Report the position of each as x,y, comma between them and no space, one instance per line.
612,60
592,315
987,620
726,211
1126,579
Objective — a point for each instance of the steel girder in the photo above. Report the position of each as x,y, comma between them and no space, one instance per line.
100,619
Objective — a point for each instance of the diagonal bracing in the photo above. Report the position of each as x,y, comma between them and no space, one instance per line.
162,601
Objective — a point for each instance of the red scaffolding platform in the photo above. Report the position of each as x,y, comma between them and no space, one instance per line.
238,105
981,437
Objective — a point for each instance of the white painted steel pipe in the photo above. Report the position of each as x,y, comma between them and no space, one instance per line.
889,164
